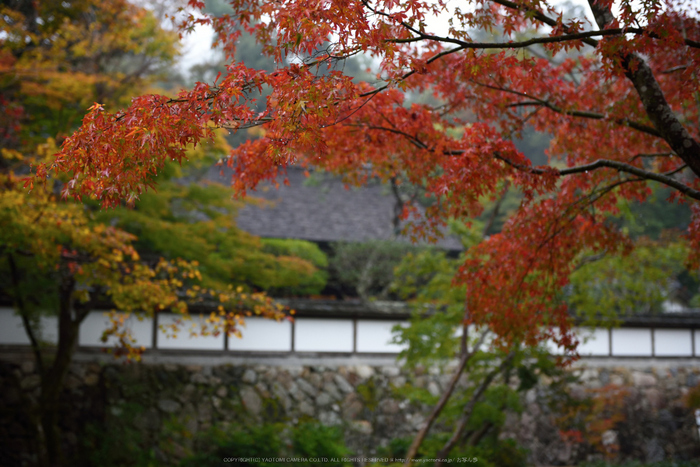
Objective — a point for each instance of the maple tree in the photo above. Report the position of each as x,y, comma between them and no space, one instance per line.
59,57
196,221
619,113
60,258
468,417
57,261
50,246
615,87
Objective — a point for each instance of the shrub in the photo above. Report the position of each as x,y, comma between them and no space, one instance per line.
366,269
265,445
296,284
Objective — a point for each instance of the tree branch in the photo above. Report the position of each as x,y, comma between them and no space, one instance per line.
665,178
496,209
573,113
541,17
468,410
660,113
398,207
652,97
578,36
418,440
36,349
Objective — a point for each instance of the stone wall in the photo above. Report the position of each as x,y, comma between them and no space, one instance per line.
634,412
166,407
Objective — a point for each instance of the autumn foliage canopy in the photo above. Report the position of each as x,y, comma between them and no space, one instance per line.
615,84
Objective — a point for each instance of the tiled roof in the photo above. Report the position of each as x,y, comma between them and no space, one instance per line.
321,210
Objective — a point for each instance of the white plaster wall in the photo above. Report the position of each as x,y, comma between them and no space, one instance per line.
594,342
260,334
376,336
673,343
12,330
323,335
185,339
96,322
332,335
631,342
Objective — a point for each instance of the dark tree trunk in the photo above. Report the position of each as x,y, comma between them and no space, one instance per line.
652,97
53,378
